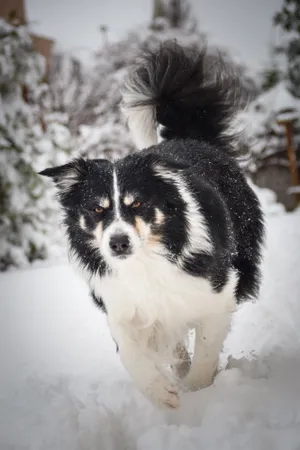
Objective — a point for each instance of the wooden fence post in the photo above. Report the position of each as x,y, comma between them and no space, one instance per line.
288,124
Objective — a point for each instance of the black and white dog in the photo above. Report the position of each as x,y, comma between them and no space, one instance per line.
168,238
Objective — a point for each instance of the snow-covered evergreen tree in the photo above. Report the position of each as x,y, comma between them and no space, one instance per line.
288,18
262,134
68,81
27,208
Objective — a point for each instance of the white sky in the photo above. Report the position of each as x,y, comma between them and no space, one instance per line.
244,26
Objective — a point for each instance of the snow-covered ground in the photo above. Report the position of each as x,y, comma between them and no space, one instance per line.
62,386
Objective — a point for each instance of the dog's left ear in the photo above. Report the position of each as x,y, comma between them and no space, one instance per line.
67,175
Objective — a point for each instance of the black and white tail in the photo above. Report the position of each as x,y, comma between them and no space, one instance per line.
184,92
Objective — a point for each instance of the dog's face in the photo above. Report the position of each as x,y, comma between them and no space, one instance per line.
121,209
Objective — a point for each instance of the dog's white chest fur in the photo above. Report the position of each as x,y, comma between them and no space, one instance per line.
149,290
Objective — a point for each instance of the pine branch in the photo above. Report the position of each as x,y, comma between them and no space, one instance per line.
10,139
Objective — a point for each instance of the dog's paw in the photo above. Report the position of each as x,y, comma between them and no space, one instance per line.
163,393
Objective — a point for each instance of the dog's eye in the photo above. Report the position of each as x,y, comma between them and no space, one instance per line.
136,204
171,205
99,210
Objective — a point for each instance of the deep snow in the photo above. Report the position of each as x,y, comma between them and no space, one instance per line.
62,386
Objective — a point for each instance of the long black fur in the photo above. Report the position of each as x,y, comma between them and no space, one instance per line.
194,93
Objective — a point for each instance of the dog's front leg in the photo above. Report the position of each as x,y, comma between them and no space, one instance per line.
182,363
209,339
141,366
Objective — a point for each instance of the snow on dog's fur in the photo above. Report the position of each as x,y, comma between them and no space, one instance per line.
168,238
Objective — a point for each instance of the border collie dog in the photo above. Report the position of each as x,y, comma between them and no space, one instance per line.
169,237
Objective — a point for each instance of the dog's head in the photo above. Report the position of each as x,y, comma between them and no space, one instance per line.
121,209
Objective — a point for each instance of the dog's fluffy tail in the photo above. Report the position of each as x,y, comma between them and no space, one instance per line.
183,92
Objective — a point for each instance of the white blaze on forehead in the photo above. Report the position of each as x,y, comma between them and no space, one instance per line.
117,226
116,195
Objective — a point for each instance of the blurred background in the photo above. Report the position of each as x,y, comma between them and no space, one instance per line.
61,68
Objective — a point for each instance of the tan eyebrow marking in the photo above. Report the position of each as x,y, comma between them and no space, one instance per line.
104,202
98,232
128,199
159,216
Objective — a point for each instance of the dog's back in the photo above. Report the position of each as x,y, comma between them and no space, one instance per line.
191,97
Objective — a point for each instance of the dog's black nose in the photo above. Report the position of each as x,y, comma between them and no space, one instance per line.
120,244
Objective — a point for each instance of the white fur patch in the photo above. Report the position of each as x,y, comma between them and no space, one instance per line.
141,119
209,340
198,235
82,223
159,130
118,226
150,379
148,287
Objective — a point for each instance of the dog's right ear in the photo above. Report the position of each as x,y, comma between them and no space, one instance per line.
67,175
